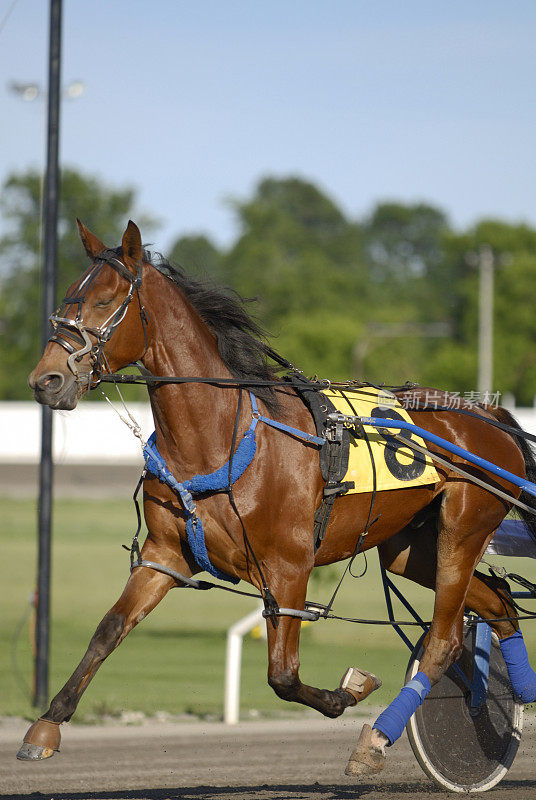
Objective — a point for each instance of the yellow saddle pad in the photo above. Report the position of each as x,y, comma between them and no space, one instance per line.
397,467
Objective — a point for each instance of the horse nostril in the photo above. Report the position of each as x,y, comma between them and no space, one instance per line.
51,381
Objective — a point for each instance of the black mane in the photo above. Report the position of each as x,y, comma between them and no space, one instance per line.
238,335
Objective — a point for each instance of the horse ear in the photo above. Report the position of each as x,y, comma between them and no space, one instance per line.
132,248
92,245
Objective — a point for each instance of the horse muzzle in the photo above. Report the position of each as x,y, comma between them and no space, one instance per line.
57,390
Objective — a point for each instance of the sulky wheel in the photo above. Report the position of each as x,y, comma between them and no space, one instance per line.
461,750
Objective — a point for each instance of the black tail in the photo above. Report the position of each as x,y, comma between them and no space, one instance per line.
502,415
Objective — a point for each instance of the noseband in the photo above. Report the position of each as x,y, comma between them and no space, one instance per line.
68,330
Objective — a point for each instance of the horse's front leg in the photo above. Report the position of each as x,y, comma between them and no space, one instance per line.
284,662
143,591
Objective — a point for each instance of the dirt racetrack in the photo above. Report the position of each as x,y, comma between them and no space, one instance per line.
266,760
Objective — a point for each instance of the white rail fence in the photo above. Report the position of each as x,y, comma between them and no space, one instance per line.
94,434
91,434
233,663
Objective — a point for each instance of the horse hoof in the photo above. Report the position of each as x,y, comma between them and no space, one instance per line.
32,752
366,758
41,740
359,683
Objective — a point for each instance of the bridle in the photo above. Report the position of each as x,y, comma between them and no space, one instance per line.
69,330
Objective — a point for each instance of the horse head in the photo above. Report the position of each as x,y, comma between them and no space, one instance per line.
96,329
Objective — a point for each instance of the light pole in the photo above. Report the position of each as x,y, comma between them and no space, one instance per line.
48,301
49,221
32,91
484,259
486,265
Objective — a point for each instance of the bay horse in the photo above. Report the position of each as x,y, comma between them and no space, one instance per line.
126,309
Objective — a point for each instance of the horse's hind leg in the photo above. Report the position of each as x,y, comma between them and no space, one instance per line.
143,591
412,553
467,520
491,604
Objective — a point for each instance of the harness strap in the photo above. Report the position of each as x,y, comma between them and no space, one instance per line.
309,616
455,468
270,604
289,429
519,432
66,345
217,481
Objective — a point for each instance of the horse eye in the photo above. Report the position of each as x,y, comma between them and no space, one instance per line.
104,302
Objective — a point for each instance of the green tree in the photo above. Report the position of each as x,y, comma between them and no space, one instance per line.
303,259
404,241
405,247
102,208
400,265
198,255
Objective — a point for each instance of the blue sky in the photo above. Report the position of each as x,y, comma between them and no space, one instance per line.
192,103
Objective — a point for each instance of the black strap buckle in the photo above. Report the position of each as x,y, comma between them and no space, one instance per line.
336,489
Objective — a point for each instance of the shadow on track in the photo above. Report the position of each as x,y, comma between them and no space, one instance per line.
316,791
265,791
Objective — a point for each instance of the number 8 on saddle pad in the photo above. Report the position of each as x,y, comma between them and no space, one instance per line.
396,465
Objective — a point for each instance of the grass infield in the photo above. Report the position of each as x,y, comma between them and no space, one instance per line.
174,661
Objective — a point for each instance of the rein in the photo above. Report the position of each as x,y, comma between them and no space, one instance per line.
318,385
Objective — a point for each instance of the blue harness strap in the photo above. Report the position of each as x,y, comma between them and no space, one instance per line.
156,465
200,484
293,431
214,482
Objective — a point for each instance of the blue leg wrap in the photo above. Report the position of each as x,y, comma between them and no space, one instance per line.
522,676
396,716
